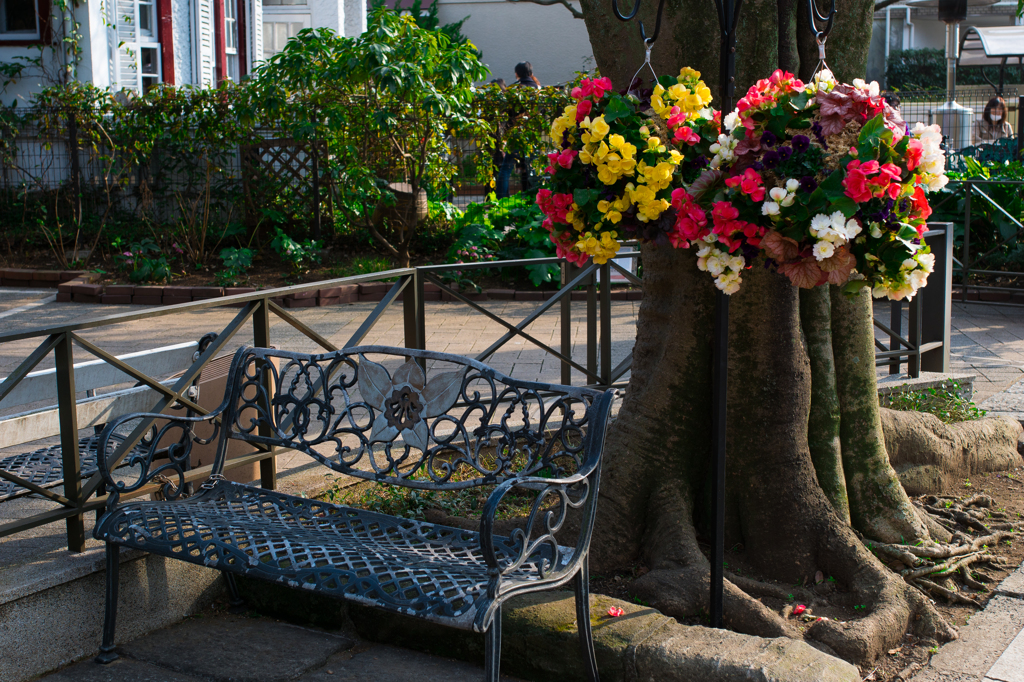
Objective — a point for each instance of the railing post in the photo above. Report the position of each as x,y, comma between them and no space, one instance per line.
412,308
914,335
67,411
261,338
591,327
965,264
606,325
936,299
895,324
1020,127
568,272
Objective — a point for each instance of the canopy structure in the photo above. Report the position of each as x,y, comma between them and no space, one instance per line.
998,46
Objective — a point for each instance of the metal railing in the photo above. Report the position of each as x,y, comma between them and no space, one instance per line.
966,266
926,348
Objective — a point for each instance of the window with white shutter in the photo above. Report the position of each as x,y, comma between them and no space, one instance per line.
138,50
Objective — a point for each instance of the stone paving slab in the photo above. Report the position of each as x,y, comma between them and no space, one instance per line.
124,670
988,636
236,648
377,663
1010,666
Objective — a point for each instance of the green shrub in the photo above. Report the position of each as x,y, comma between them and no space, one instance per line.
925,69
237,262
300,256
142,261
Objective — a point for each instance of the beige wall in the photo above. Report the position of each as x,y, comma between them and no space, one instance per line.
508,33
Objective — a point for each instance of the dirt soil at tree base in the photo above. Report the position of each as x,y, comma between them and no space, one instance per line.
904,661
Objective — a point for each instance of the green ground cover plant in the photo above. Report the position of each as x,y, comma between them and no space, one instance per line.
945,402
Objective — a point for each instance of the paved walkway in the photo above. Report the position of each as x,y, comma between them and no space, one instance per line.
226,648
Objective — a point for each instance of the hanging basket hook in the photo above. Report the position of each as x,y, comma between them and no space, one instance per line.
648,41
820,34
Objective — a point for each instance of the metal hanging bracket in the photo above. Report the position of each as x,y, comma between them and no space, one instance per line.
821,34
648,41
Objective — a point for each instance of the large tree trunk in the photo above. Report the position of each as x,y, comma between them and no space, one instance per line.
806,455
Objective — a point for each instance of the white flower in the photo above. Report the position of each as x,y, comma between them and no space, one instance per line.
706,113
879,291
792,185
838,220
703,251
927,261
788,201
823,250
777,193
852,229
875,232
715,265
937,182
820,222
710,238
871,87
731,120
715,148
736,263
769,208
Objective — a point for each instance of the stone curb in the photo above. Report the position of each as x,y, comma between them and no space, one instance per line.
540,641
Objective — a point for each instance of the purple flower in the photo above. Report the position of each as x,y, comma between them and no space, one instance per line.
801,143
808,184
768,139
771,159
817,130
785,153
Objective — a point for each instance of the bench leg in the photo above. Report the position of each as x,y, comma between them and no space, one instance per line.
582,584
107,654
492,648
235,602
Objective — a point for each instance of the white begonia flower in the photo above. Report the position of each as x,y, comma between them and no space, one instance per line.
731,120
838,220
879,291
927,261
788,201
908,264
823,250
875,232
820,222
736,263
715,265
715,148
917,279
710,238
777,193
706,113
769,208
935,183
703,251
871,87
852,229
792,185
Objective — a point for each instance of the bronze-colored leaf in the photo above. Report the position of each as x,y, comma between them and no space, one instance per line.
805,273
839,266
441,392
374,383
780,248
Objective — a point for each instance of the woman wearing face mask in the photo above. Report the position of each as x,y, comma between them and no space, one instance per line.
993,124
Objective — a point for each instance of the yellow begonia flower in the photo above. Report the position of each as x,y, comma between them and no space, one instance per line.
603,206
601,153
653,143
598,129
678,91
687,72
607,176
613,216
627,150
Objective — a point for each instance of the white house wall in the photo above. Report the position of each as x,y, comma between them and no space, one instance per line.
508,33
181,33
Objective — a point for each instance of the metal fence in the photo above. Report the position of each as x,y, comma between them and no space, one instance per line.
926,346
926,106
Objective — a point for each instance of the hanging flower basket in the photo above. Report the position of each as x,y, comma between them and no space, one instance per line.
824,180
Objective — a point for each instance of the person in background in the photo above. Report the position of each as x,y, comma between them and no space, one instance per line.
524,79
993,124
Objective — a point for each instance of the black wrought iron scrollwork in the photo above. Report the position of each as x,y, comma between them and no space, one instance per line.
648,41
163,456
457,426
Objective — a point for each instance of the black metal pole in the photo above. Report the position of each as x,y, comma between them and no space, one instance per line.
727,11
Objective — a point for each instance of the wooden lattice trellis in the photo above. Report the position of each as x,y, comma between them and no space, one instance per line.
287,162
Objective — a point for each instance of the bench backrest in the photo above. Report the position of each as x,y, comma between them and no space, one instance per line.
44,422
372,413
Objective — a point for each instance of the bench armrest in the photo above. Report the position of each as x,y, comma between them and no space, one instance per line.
162,455
539,538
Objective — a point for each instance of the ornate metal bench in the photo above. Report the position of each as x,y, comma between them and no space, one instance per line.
373,413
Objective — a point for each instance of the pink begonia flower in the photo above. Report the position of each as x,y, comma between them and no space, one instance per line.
583,109
750,183
915,151
687,135
615,612
566,157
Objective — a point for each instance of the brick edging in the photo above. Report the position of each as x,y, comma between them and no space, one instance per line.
78,286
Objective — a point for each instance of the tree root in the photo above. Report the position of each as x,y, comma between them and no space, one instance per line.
920,564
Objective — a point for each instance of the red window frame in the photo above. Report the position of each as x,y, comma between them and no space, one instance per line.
165,35
44,11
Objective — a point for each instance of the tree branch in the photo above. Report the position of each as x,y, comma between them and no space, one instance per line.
575,12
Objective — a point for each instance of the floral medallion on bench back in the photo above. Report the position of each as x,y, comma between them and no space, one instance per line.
408,418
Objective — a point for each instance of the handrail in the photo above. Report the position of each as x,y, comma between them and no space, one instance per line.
966,265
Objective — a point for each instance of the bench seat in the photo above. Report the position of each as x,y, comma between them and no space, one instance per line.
402,565
45,468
